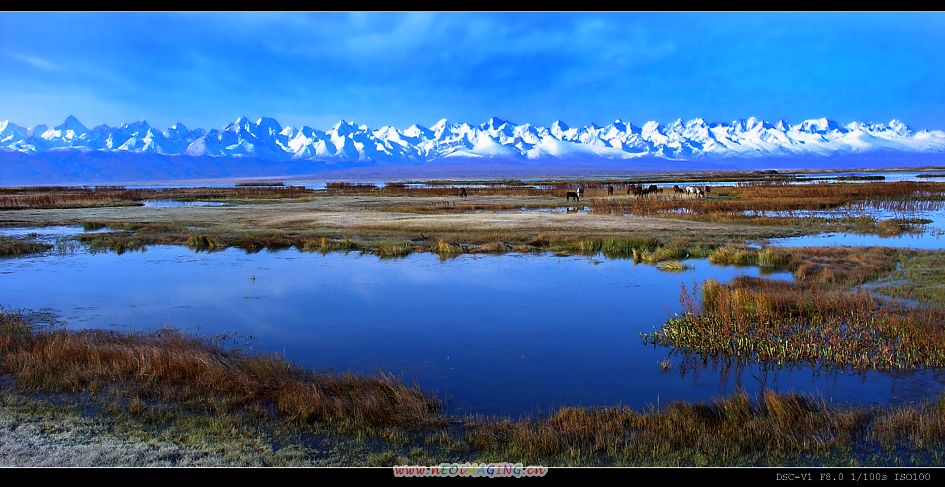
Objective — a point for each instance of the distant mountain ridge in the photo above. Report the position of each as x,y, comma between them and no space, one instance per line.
266,140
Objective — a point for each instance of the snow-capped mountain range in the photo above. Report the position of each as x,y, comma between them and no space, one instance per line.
266,139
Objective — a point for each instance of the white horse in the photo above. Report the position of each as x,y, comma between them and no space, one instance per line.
695,190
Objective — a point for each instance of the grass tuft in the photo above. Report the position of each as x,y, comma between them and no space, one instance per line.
10,247
674,266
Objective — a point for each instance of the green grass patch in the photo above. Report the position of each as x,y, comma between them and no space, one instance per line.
920,276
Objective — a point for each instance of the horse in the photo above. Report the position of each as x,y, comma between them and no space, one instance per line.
654,189
677,189
610,190
463,193
632,189
707,189
573,194
580,191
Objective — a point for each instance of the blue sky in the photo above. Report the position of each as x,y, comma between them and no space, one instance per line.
400,68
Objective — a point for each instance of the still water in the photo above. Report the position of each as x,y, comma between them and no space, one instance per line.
511,334
316,183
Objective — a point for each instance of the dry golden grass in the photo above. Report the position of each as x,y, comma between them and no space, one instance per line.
13,247
727,431
170,367
775,204
152,375
778,322
100,196
847,266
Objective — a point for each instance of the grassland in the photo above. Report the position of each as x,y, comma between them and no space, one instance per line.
394,219
377,223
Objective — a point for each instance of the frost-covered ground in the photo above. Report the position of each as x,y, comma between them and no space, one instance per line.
38,434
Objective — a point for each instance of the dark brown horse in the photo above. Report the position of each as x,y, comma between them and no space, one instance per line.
463,193
610,190
677,189
573,194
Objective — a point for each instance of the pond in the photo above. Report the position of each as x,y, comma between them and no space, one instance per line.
929,240
930,237
511,334
56,235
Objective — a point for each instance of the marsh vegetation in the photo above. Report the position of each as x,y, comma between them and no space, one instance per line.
756,307
190,391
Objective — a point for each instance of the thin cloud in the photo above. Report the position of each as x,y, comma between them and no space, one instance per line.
34,61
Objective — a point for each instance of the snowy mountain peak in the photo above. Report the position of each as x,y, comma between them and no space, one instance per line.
494,123
268,126
651,127
266,139
899,127
822,124
71,125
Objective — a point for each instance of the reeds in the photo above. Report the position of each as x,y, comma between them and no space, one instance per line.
169,367
204,243
10,247
393,249
118,242
324,244
780,204
848,266
736,429
446,249
673,266
97,196
781,323
165,378
610,247
92,226
732,255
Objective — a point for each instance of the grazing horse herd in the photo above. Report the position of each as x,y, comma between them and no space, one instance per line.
634,189
644,191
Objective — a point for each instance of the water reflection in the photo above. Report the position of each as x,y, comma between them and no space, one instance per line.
507,334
